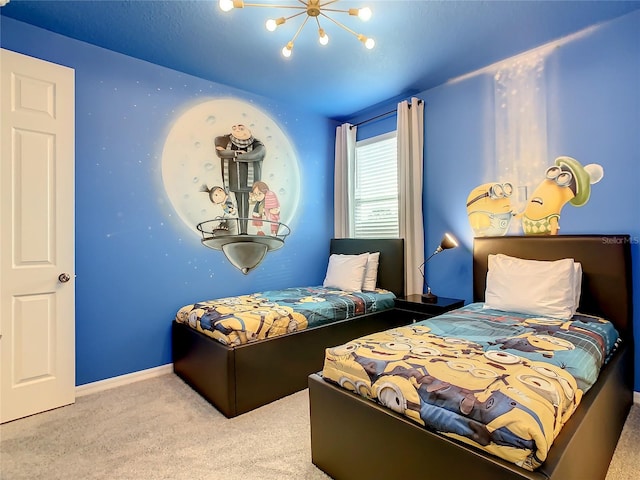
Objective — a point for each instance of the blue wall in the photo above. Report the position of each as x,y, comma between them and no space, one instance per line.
136,262
593,115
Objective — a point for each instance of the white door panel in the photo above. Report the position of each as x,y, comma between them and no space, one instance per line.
37,311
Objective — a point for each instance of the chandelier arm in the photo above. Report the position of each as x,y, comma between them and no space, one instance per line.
294,15
329,3
334,10
268,5
341,25
300,29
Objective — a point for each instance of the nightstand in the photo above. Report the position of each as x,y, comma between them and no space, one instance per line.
414,303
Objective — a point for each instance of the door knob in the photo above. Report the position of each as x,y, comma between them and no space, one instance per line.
64,277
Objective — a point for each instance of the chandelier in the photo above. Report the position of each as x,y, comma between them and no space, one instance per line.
314,9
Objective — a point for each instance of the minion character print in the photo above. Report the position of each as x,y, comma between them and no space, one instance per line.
566,181
489,209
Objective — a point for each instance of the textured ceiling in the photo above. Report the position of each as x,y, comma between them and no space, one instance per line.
419,44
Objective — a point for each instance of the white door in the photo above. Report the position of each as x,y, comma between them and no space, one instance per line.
37,302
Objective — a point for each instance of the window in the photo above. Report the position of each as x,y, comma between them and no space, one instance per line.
375,213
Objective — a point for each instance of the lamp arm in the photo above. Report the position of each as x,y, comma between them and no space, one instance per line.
421,267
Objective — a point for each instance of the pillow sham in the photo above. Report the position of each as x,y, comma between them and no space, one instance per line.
546,288
346,272
371,272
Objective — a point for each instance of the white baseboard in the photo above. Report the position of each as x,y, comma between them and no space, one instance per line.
101,385
158,371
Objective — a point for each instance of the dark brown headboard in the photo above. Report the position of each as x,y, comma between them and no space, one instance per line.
391,267
606,267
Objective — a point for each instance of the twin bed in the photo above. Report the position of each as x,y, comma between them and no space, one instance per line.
237,378
353,436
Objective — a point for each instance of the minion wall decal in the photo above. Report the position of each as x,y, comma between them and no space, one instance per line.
490,206
489,209
566,181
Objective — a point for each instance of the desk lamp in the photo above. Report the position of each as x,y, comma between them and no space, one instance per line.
448,241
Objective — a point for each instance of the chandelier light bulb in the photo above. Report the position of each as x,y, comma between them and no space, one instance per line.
364,14
272,24
286,50
368,42
323,37
226,5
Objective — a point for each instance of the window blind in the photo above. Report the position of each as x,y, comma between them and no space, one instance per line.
375,212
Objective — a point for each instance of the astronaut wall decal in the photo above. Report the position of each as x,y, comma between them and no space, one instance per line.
490,208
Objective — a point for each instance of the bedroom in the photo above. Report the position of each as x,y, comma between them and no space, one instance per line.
135,262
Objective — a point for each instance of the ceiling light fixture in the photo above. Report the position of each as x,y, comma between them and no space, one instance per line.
313,9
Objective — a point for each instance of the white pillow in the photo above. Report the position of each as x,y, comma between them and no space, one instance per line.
346,272
577,278
371,272
546,288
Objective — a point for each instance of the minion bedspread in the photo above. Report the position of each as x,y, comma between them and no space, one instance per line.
503,382
238,320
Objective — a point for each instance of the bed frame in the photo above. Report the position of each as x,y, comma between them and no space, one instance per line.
242,378
354,438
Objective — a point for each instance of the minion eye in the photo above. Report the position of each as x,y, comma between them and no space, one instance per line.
496,191
427,351
564,179
397,346
508,189
460,366
344,349
552,172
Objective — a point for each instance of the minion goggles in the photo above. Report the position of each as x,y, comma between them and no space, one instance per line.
562,177
495,191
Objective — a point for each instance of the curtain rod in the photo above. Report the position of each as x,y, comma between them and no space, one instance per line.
385,114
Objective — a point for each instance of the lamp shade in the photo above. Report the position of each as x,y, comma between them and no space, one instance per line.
448,241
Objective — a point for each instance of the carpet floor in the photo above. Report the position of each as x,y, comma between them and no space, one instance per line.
161,429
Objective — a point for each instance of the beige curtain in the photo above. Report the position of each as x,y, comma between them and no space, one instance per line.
344,166
410,167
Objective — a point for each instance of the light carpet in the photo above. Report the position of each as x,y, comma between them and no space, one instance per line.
161,429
